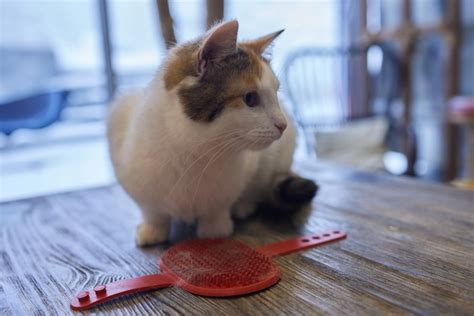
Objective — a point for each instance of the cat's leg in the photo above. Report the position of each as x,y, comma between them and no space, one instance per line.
154,229
215,224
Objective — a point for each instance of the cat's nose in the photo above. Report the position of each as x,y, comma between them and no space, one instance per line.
281,126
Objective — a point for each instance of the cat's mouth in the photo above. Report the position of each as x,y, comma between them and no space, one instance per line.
261,139
265,133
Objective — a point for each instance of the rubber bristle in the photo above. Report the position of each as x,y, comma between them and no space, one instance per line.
218,263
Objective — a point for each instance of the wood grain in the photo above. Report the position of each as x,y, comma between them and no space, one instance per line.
410,250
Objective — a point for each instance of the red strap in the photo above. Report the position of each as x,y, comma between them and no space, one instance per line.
102,293
300,243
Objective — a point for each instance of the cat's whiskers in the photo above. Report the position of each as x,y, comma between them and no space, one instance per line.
236,149
191,165
239,148
214,138
217,147
213,159
195,147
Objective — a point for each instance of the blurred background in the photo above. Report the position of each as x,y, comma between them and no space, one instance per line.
380,85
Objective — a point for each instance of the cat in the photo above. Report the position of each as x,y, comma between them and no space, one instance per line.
206,139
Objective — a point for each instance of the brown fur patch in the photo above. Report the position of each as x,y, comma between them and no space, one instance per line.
223,84
180,64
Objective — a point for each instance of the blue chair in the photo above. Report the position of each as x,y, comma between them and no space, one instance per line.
33,111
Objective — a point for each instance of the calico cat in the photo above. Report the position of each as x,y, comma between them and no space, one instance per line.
207,139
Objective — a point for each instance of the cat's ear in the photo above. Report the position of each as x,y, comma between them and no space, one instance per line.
218,43
261,45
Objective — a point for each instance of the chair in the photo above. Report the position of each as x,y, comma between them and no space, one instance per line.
33,111
327,88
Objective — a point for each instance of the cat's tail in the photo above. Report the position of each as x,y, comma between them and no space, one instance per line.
290,195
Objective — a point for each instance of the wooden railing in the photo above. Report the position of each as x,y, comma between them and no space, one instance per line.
405,36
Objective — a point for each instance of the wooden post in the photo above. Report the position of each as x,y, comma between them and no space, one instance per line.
215,12
407,39
452,36
166,23
107,48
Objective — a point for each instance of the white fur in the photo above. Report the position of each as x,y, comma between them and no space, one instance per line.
174,167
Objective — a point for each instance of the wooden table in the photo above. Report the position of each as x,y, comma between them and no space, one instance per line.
410,249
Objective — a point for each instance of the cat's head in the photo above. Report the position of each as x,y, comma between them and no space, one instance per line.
227,88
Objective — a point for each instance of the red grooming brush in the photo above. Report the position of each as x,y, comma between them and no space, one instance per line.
209,267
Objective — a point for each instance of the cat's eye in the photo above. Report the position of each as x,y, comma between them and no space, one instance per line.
252,99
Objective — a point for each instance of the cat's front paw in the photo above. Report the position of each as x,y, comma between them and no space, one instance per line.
148,235
213,227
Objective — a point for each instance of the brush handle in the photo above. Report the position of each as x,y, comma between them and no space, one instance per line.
103,293
300,243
